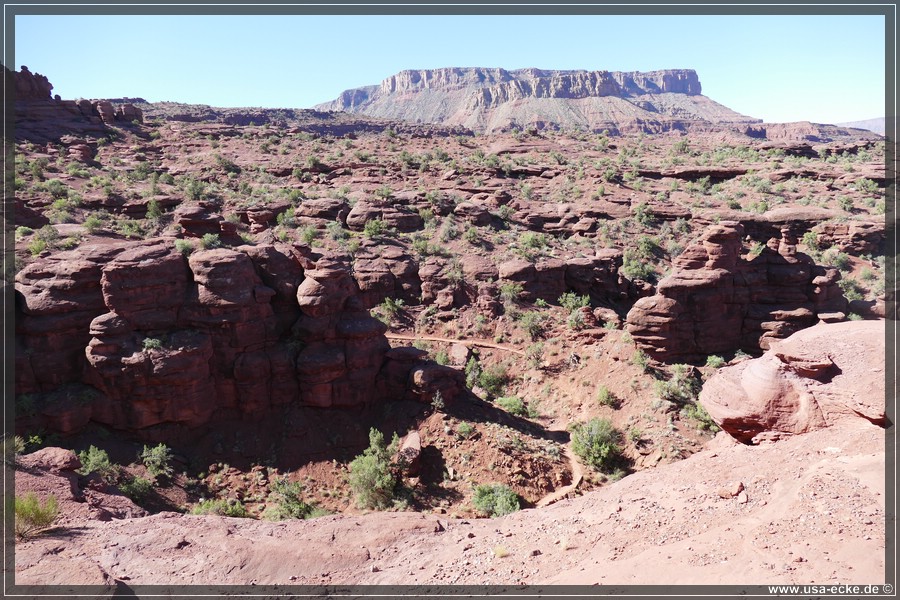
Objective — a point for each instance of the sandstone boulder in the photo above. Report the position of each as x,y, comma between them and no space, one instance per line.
802,383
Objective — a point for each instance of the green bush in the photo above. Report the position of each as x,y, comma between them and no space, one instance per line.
290,505
493,380
640,359
495,500
92,223
33,516
152,344
374,228
714,361
210,241
185,247
533,324
95,460
681,388
136,488
372,478
597,443
511,404
225,508
157,460
473,372
510,291
465,430
606,397
570,301
696,412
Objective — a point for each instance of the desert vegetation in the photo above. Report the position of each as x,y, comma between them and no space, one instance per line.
512,259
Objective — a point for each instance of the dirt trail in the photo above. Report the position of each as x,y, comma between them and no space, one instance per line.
577,477
574,465
479,343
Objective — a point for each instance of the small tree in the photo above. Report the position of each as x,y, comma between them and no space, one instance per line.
157,460
95,460
372,477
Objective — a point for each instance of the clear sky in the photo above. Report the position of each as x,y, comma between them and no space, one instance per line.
825,69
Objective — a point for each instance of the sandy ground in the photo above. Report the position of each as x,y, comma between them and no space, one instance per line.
811,510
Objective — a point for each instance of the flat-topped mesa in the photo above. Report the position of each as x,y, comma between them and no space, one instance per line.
716,302
495,99
542,83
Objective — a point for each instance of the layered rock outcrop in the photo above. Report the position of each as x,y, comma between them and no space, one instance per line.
803,383
715,301
162,338
42,118
491,99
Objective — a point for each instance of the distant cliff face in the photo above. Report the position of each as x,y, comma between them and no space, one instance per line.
494,99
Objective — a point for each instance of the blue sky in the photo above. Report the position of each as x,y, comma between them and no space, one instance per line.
777,68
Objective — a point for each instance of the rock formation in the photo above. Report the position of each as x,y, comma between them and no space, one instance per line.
42,118
166,338
803,383
715,301
491,99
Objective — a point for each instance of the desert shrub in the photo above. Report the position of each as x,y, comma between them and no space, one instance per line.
153,210
136,488
194,190
533,324
92,223
510,291
372,478
210,241
308,234
441,357
374,228
633,267
465,430
36,246
473,372
535,353
157,460
714,361
95,460
570,301
185,247
493,380
389,309
56,188
867,185
511,404
152,344
597,443
640,359
495,500
606,397
288,495
225,508
575,320
643,214
681,388
852,289
32,515
697,413
836,258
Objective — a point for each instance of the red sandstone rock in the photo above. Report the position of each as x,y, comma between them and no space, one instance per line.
717,302
802,383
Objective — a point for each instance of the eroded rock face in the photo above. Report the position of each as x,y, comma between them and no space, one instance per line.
167,339
715,301
803,383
